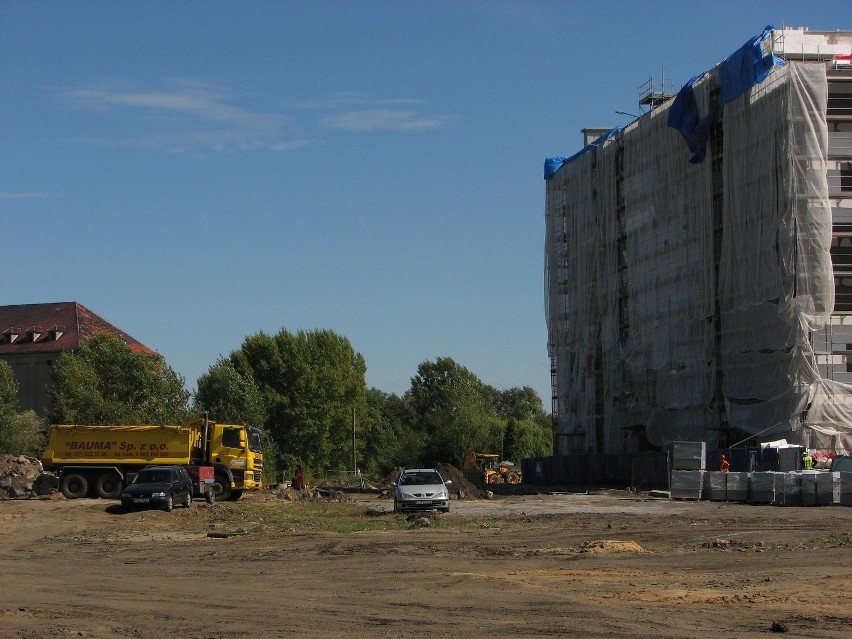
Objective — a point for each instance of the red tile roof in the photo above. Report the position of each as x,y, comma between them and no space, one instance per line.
46,328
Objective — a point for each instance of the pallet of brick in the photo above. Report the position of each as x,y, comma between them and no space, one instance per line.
737,487
825,489
845,488
762,488
790,493
790,458
687,484
809,487
715,485
689,455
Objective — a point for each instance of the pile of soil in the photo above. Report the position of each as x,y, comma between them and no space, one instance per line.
611,546
461,488
22,477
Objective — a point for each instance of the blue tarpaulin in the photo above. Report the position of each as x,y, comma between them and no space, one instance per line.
747,67
743,69
552,165
683,116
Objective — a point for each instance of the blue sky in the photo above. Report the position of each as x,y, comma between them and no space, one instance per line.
196,172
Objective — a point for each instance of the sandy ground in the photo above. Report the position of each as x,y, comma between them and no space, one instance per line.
606,565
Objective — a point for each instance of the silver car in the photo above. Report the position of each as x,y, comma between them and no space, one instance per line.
421,489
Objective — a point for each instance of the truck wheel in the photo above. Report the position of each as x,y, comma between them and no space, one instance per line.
210,495
170,503
74,486
108,486
235,495
222,488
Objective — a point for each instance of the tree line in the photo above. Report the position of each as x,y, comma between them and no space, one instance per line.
308,392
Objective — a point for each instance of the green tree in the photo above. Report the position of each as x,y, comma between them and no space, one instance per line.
105,382
390,438
310,382
8,390
521,404
454,411
526,438
22,434
229,396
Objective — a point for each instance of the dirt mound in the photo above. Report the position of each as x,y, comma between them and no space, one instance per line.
610,546
461,488
22,477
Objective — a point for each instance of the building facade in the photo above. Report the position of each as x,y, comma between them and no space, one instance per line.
33,336
699,260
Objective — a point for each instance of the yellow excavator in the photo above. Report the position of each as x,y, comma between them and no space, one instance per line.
493,470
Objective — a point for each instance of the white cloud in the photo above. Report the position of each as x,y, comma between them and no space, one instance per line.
202,100
182,116
24,195
194,117
382,119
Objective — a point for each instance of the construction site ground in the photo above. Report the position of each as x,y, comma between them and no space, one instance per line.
611,564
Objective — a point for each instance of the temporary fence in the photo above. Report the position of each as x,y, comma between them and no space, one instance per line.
641,471
759,476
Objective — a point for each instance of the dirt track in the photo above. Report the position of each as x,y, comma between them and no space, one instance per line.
512,567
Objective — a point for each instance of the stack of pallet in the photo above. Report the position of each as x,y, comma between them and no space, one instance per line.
688,467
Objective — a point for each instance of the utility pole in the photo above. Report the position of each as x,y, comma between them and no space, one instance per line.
354,461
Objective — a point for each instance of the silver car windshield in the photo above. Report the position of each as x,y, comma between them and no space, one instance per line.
420,479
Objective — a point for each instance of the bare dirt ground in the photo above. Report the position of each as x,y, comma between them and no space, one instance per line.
606,565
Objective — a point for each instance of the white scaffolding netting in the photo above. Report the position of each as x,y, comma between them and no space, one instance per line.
655,295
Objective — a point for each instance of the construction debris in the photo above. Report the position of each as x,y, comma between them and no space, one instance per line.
312,494
23,477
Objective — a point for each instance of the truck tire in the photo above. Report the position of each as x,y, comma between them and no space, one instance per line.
109,486
222,488
74,486
210,495
235,495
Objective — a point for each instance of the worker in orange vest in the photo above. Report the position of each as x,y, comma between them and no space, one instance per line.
724,466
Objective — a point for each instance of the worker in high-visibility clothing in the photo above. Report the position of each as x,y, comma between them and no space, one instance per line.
808,461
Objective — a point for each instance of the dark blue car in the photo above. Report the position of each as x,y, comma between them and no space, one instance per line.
159,487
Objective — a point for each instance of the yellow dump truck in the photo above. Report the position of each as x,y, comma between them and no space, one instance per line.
98,460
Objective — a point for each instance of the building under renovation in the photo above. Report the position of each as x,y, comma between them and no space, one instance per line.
699,260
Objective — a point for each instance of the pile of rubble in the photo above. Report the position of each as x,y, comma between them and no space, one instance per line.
319,493
23,477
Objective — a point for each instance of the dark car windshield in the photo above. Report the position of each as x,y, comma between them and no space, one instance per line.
153,477
419,479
